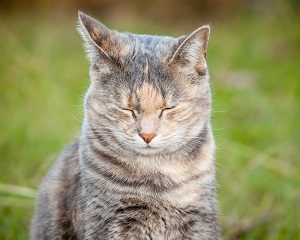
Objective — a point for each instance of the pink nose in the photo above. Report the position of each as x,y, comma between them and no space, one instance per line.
148,136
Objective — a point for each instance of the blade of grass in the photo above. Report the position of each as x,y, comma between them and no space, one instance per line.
19,191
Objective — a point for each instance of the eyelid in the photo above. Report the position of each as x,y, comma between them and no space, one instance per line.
166,109
126,109
130,110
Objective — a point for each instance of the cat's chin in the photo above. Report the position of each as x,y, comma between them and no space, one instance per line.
148,150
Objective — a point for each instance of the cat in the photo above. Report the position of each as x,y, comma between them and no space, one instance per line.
143,164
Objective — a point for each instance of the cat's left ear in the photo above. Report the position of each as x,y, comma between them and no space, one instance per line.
100,40
191,51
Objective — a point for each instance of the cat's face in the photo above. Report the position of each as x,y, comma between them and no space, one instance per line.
148,94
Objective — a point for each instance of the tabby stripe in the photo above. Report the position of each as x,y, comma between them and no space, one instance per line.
101,155
195,145
161,187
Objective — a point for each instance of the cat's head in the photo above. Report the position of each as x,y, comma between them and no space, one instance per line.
148,94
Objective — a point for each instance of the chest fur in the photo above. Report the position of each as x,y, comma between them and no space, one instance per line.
134,218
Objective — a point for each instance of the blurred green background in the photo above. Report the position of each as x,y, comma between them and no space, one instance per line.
254,59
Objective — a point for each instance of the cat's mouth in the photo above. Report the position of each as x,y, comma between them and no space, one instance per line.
148,150
148,146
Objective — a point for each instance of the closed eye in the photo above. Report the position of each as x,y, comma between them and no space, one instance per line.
129,110
165,110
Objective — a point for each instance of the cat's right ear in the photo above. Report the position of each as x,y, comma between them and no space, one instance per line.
97,37
191,52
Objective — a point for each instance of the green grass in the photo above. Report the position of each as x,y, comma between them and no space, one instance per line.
255,74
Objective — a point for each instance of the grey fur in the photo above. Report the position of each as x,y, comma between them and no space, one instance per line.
105,185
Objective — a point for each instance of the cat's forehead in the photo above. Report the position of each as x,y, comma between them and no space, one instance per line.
147,98
150,84
157,48
145,80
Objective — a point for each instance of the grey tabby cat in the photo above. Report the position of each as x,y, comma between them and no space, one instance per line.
143,165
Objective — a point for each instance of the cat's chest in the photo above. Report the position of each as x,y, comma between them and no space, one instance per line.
134,218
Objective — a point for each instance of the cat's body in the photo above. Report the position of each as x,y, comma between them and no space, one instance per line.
143,166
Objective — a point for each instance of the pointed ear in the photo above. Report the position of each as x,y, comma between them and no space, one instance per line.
191,51
98,38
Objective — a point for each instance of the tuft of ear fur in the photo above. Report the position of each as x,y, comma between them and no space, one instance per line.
98,38
191,51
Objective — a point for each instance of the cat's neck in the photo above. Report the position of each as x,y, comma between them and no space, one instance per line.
155,172
165,178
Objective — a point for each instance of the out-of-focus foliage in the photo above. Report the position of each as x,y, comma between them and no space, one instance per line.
164,11
254,58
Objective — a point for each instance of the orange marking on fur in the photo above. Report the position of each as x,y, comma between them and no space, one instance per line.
105,45
150,99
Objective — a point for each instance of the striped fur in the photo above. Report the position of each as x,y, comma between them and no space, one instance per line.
111,184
